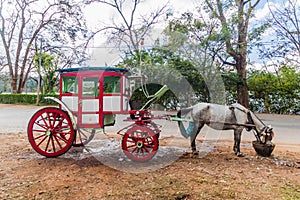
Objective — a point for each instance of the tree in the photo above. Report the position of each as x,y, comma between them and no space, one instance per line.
22,22
47,72
192,38
129,27
285,22
219,40
4,82
262,86
163,66
275,92
233,17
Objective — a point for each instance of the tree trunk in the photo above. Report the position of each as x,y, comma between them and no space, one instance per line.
243,96
13,84
242,89
266,102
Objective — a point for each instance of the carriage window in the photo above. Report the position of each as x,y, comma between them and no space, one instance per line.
69,85
126,86
90,86
111,84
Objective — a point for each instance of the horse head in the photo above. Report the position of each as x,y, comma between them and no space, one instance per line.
267,135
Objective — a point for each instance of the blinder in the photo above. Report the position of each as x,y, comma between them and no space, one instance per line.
268,135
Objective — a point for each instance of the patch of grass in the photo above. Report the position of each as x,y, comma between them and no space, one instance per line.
202,180
225,194
167,187
290,192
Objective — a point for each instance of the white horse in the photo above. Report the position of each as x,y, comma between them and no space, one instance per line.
220,117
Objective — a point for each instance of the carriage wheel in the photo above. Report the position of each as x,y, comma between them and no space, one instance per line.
140,143
83,136
50,132
155,128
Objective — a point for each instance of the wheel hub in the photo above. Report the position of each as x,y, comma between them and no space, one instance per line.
139,144
48,132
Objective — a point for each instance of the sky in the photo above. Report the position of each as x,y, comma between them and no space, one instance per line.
98,14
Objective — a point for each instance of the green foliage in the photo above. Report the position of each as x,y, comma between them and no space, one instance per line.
256,32
275,92
230,82
269,92
48,71
163,66
25,99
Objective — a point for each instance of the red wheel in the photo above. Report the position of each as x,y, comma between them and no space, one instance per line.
50,132
140,143
83,136
154,128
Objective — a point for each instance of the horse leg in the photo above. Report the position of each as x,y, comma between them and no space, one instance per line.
237,142
193,138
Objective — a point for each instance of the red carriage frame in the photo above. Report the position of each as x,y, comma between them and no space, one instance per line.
89,99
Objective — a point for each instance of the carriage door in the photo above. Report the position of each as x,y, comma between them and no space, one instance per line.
89,108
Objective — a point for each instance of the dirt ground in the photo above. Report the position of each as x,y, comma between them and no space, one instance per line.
217,175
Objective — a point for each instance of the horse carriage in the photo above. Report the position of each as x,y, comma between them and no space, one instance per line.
89,99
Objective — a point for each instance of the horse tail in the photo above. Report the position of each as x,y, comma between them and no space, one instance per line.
182,129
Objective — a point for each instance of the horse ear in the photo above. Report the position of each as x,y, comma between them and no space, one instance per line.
271,129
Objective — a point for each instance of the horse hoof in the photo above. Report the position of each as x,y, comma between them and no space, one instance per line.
193,154
239,154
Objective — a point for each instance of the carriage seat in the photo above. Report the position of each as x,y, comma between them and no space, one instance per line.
155,97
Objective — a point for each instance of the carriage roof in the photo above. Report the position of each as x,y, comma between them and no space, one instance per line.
84,69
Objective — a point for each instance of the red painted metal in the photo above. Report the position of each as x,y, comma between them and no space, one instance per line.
50,132
140,143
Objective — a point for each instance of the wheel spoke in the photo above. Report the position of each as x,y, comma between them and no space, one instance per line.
59,123
142,151
47,144
42,140
63,139
44,126
131,140
130,146
140,143
146,149
80,139
149,145
39,131
38,137
83,136
135,150
57,141
49,119
53,145
50,132
45,122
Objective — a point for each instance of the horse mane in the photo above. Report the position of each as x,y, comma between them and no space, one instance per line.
259,125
